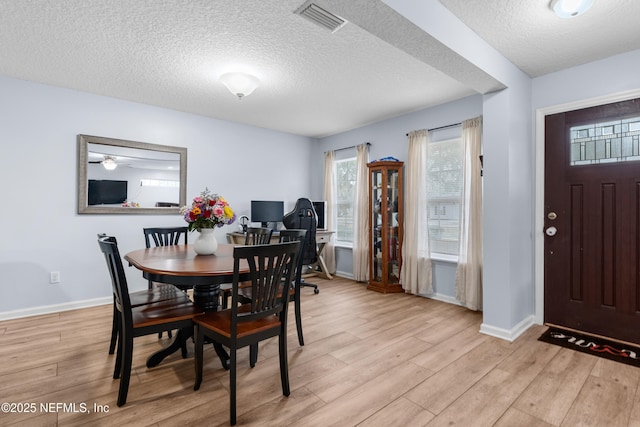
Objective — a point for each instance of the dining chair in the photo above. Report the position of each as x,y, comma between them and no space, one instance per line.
271,268
293,235
138,321
244,296
258,236
164,236
253,236
138,298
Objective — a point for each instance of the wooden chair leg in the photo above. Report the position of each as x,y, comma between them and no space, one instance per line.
199,350
296,300
183,348
253,355
222,355
125,376
169,334
284,363
225,299
232,386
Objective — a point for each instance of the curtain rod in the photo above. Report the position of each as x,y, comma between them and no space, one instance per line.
346,148
443,127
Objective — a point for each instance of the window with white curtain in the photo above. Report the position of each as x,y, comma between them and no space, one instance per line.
346,193
444,192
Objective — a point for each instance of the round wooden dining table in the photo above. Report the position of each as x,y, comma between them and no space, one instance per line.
179,265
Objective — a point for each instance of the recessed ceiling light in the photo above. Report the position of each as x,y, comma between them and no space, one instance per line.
570,8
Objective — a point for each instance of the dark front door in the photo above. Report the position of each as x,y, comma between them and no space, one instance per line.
592,220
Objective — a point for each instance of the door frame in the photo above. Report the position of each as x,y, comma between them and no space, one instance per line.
540,177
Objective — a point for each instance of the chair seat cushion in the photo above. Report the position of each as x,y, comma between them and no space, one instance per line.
163,312
220,322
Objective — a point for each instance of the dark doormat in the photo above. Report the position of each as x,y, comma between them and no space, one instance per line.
612,350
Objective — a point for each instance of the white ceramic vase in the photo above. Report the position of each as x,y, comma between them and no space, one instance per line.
206,243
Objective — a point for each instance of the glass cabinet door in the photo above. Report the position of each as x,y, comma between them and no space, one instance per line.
392,240
376,225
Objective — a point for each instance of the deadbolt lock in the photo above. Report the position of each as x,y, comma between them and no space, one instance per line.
552,216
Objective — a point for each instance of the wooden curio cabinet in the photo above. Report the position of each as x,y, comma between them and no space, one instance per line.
385,208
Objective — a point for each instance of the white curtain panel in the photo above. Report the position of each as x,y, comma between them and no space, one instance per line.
330,191
469,269
415,275
361,216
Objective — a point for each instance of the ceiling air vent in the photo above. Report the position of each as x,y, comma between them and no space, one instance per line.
320,16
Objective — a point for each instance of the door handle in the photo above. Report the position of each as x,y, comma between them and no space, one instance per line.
551,231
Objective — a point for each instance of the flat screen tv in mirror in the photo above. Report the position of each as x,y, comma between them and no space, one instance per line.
107,192
267,212
130,177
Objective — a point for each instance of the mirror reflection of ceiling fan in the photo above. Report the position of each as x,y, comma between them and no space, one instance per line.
109,162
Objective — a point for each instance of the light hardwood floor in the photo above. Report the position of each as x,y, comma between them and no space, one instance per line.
369,360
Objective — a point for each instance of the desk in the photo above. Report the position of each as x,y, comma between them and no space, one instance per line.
322,238
179,265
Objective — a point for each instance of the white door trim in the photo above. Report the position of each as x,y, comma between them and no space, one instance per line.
539,190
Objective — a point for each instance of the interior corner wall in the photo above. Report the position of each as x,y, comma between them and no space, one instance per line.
508,201
42,231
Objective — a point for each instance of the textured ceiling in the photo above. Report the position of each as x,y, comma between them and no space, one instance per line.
531,36
313,82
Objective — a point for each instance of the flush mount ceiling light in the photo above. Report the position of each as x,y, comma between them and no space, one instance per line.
570,8
109,163
240,84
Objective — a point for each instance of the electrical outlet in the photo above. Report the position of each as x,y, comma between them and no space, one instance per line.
54,277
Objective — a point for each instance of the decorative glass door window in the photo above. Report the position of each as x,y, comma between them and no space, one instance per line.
607,142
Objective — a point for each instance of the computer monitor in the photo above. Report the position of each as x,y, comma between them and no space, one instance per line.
267,211
321,212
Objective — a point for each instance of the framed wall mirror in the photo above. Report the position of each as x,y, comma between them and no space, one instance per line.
117,176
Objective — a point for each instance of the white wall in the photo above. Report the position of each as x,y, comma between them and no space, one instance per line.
42,231
615,75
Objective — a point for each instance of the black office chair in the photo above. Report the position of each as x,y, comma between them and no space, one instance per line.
303,216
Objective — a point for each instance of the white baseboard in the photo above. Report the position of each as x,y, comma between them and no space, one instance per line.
442,297
344,275
508,334
56,308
